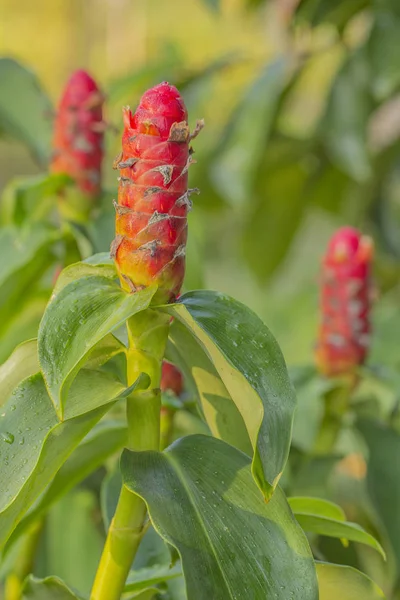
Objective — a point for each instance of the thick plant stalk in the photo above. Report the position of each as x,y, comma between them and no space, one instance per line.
344,333
148,333
153,194
149,249
78,143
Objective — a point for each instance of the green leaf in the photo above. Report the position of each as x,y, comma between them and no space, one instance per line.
34,443
101,258
73,552
251,366
316,506
344,125
103,441
25,110
23,323
346,583
383,476
76,319
143,578
391,6
383,48
310,389
230,540
22,363
25,255
338,12
96,267
148,594
249,128
311,474
316,516
50,588
280,190
31,197
221,413
153,551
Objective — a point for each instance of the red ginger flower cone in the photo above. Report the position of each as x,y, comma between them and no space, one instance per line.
171,378
344,333
153,195
78,136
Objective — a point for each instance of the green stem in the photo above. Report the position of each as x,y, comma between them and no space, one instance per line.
24,565
148,332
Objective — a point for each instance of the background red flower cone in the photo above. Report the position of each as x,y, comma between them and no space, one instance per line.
78,137
171,378
344,332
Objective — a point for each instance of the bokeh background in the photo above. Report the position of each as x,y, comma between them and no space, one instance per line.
302,125
301,100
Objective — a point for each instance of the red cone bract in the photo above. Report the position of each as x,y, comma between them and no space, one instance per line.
153,195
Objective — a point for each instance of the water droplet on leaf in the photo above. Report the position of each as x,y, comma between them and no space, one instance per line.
7,437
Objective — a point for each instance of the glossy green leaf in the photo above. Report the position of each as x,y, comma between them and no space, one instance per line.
76,319
246,134
22,363
346,583
103,441
153,556
221,413
344,125
31,197
146,577
25,110
316,506
50,588
383,476
314,518
97,266
229,539
34,443
251,366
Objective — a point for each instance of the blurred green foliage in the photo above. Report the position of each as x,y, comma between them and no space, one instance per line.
302,102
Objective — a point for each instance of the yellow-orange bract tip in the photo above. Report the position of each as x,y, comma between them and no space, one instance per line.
341,253
126,116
